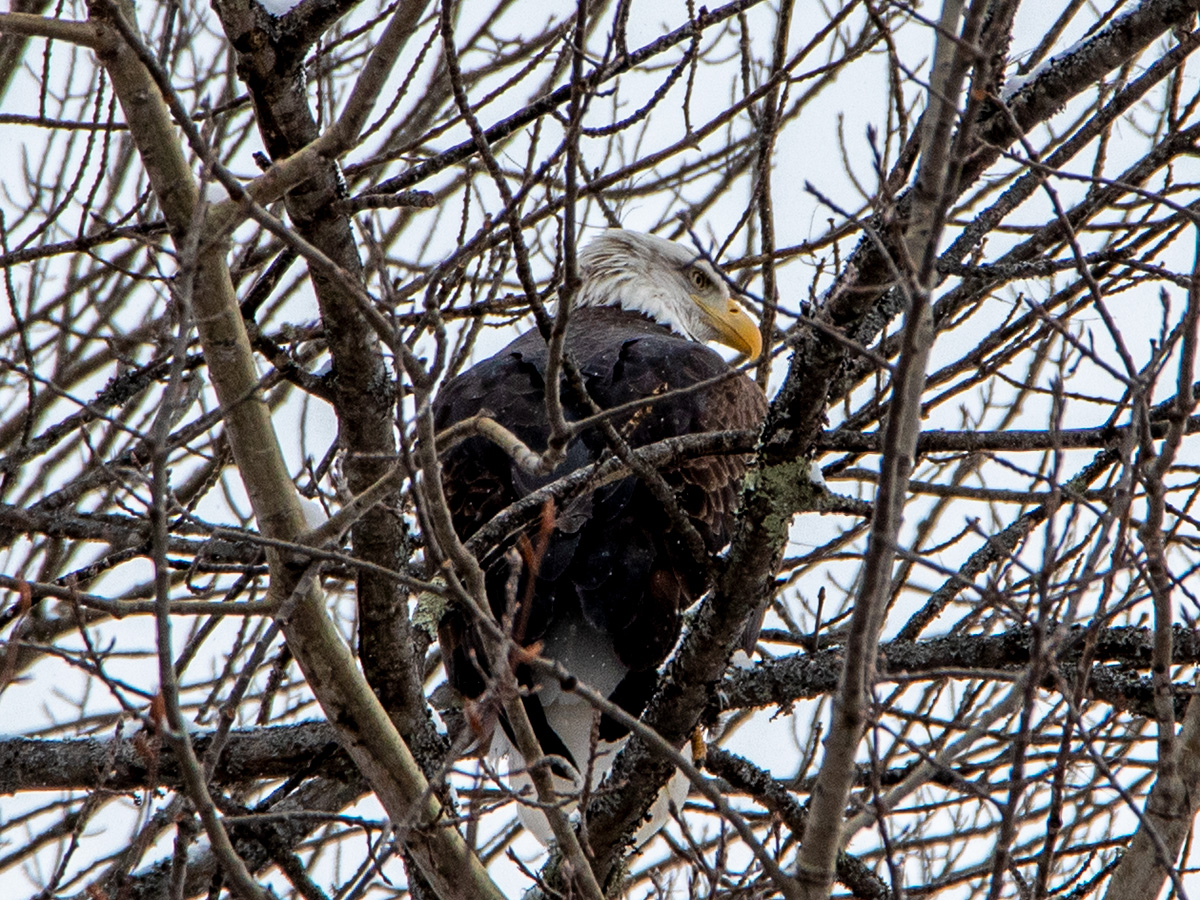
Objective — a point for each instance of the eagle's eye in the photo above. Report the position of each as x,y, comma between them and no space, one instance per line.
700,281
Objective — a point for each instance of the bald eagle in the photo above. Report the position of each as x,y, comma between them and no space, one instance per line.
606,592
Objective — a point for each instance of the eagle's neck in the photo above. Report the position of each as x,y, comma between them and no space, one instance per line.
627,288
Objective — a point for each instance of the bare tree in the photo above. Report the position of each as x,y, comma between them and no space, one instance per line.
242,250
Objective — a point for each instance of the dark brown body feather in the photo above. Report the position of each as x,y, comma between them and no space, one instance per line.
613,556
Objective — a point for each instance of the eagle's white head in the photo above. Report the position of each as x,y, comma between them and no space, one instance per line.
670,283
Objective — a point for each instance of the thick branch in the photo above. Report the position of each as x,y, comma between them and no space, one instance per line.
363,726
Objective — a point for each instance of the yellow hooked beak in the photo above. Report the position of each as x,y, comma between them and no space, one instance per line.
734,328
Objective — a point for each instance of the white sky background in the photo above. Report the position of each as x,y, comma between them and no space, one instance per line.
837,118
